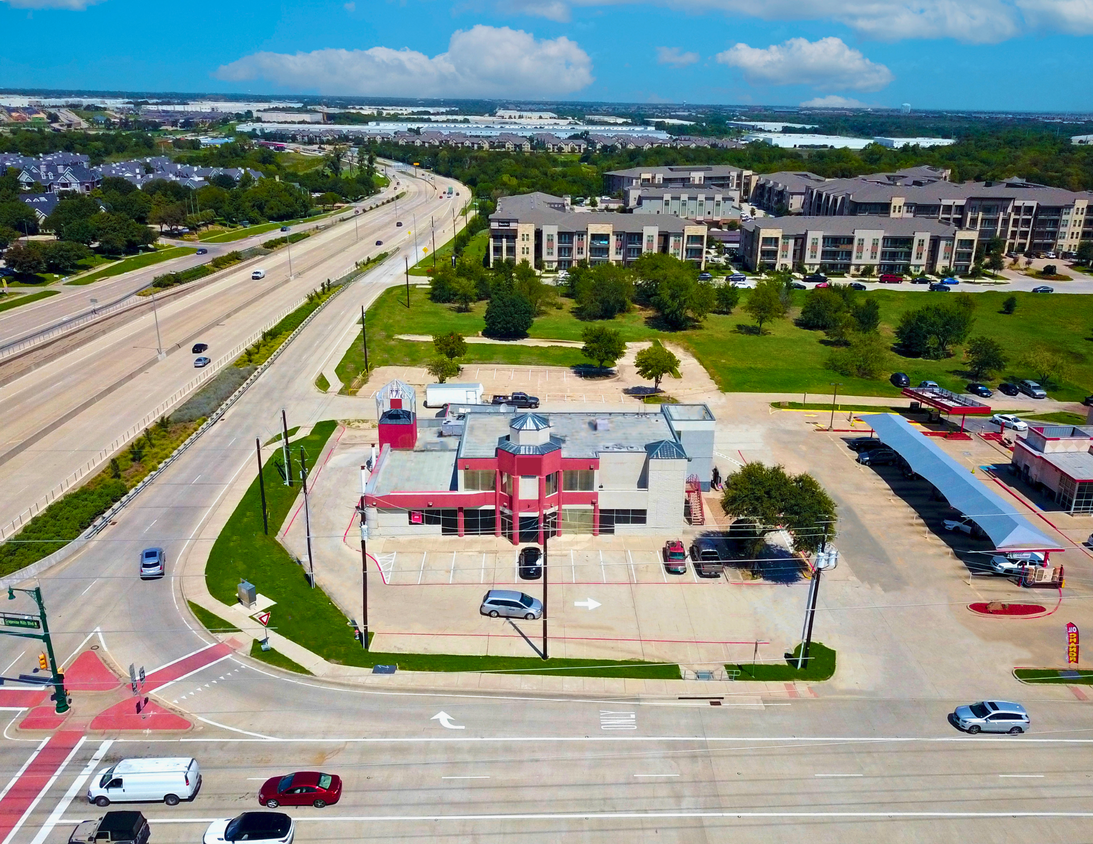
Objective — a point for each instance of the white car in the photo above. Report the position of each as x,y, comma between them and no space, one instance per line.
1012,565
1008,420
746,284
964,525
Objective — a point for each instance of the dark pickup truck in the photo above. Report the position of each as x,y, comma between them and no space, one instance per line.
517,400
112,828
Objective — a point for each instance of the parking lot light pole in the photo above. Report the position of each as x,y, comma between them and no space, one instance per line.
546,536
364,582
834,396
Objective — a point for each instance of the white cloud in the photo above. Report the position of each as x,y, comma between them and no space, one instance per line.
483,61
674,57
71,5
555,10
827,63
833,101
350,7
975,21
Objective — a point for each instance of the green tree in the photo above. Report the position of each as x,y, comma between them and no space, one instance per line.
464,292
601,292
1009,305
26,258
1085,253
823,309
442,368
728,297
865,356
769,498
508,315
932,330
655,362
867,315
602,344
985,356
451,345
1046,364
765,303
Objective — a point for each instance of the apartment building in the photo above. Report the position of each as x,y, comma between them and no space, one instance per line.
851,244
784,192
526,476
543,231
730,181
1026,216
708,206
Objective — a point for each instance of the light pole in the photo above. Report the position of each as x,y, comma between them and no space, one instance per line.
826,559
834,396
60,696
307,517
364,582
289,245
94,304
415,238
159,342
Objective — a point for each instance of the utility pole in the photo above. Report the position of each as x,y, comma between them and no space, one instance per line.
546,536
364,582
159,343
60,696
834,396
825,560
285,448
433,230
407,260
262,486
356,230
307,518
289,245
364,338
416,254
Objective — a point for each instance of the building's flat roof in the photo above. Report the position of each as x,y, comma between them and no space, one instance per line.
424,471
1077,465
687,412
678,170
577,431
893,226
1063,432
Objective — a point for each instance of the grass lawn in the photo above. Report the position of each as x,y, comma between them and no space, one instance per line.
1050,676
821,666
322,383
237,234
475,251
277,438
1062,417
134,262
276,659
307,616
784,359
7,304
211,621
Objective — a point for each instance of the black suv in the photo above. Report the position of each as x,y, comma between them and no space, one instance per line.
981,390
112,828
865,444
817,278
530,564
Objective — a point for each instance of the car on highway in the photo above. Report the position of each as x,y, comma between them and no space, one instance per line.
981,390
284,228
865,443
1031,389
202,251
675,557
112,828
379,243
276,827
877,457
939,287
198,348
1008,420
991,716
302,788
399,224
510,604
1016,564
707,557
153,563
530,563
201,362
1008,389
257,275
1043,288
900,379
857,285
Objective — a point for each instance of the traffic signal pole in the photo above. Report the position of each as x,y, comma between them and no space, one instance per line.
60,696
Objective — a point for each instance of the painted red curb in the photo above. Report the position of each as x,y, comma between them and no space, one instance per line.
123,716
87,673
1021,610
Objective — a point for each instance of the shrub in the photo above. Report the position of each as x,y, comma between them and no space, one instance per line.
1009,305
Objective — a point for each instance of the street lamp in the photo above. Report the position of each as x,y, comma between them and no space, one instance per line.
834,396
159,342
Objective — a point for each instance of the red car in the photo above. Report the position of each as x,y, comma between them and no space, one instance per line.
675,557
304,788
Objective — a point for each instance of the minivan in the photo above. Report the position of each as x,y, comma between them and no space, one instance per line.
257,274
166,779
1031,388
510,604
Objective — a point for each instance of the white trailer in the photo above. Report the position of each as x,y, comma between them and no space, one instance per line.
438,395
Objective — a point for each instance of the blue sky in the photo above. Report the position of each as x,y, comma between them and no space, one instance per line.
971,54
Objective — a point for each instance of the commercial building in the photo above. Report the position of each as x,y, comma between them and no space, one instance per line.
543,231
524,476
1058,460
850,244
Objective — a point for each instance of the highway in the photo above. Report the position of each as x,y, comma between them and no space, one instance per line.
65,417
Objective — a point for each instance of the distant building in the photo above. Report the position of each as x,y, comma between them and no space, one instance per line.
290,117
1081,139
543,230
905,108
730,181
783,193
897,143
850,244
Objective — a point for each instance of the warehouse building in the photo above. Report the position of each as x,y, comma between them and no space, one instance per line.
524,476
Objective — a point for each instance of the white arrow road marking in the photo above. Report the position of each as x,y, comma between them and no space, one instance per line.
588,603
446,721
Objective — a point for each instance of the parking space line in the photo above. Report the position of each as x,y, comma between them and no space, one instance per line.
603,568
451,574
694,574
633,572
421,571
663,573
572,568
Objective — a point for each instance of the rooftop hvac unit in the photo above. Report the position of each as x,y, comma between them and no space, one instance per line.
603,423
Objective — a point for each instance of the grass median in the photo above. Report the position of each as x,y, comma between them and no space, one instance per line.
136,262
820,666
25,299
1054,676
211,621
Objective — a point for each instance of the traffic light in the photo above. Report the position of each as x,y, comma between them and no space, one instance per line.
43,662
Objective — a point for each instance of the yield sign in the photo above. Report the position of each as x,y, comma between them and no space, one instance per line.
263,618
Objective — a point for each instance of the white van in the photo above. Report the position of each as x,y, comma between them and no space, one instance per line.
257,274
149,780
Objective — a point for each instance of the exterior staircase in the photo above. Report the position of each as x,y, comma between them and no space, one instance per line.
695,513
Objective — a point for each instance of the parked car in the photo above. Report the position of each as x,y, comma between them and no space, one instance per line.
517,400
950,280
928,385
991,716
865,443
152,563
816,278
704,276
201,362
1007,389
202,251
707,557
1032,389
920,280
963,525
1008,420
981,390
530,565
857,285
1088,401
112,828
1016,564
303,788
877,457
510,604
900,379
798,285
890,278
252,826
1043,288
737,277
939,287
822,284
675,557
198,348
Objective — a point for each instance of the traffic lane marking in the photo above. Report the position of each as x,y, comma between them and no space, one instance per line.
46,765
74,789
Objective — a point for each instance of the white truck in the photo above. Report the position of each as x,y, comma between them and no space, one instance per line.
438,395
